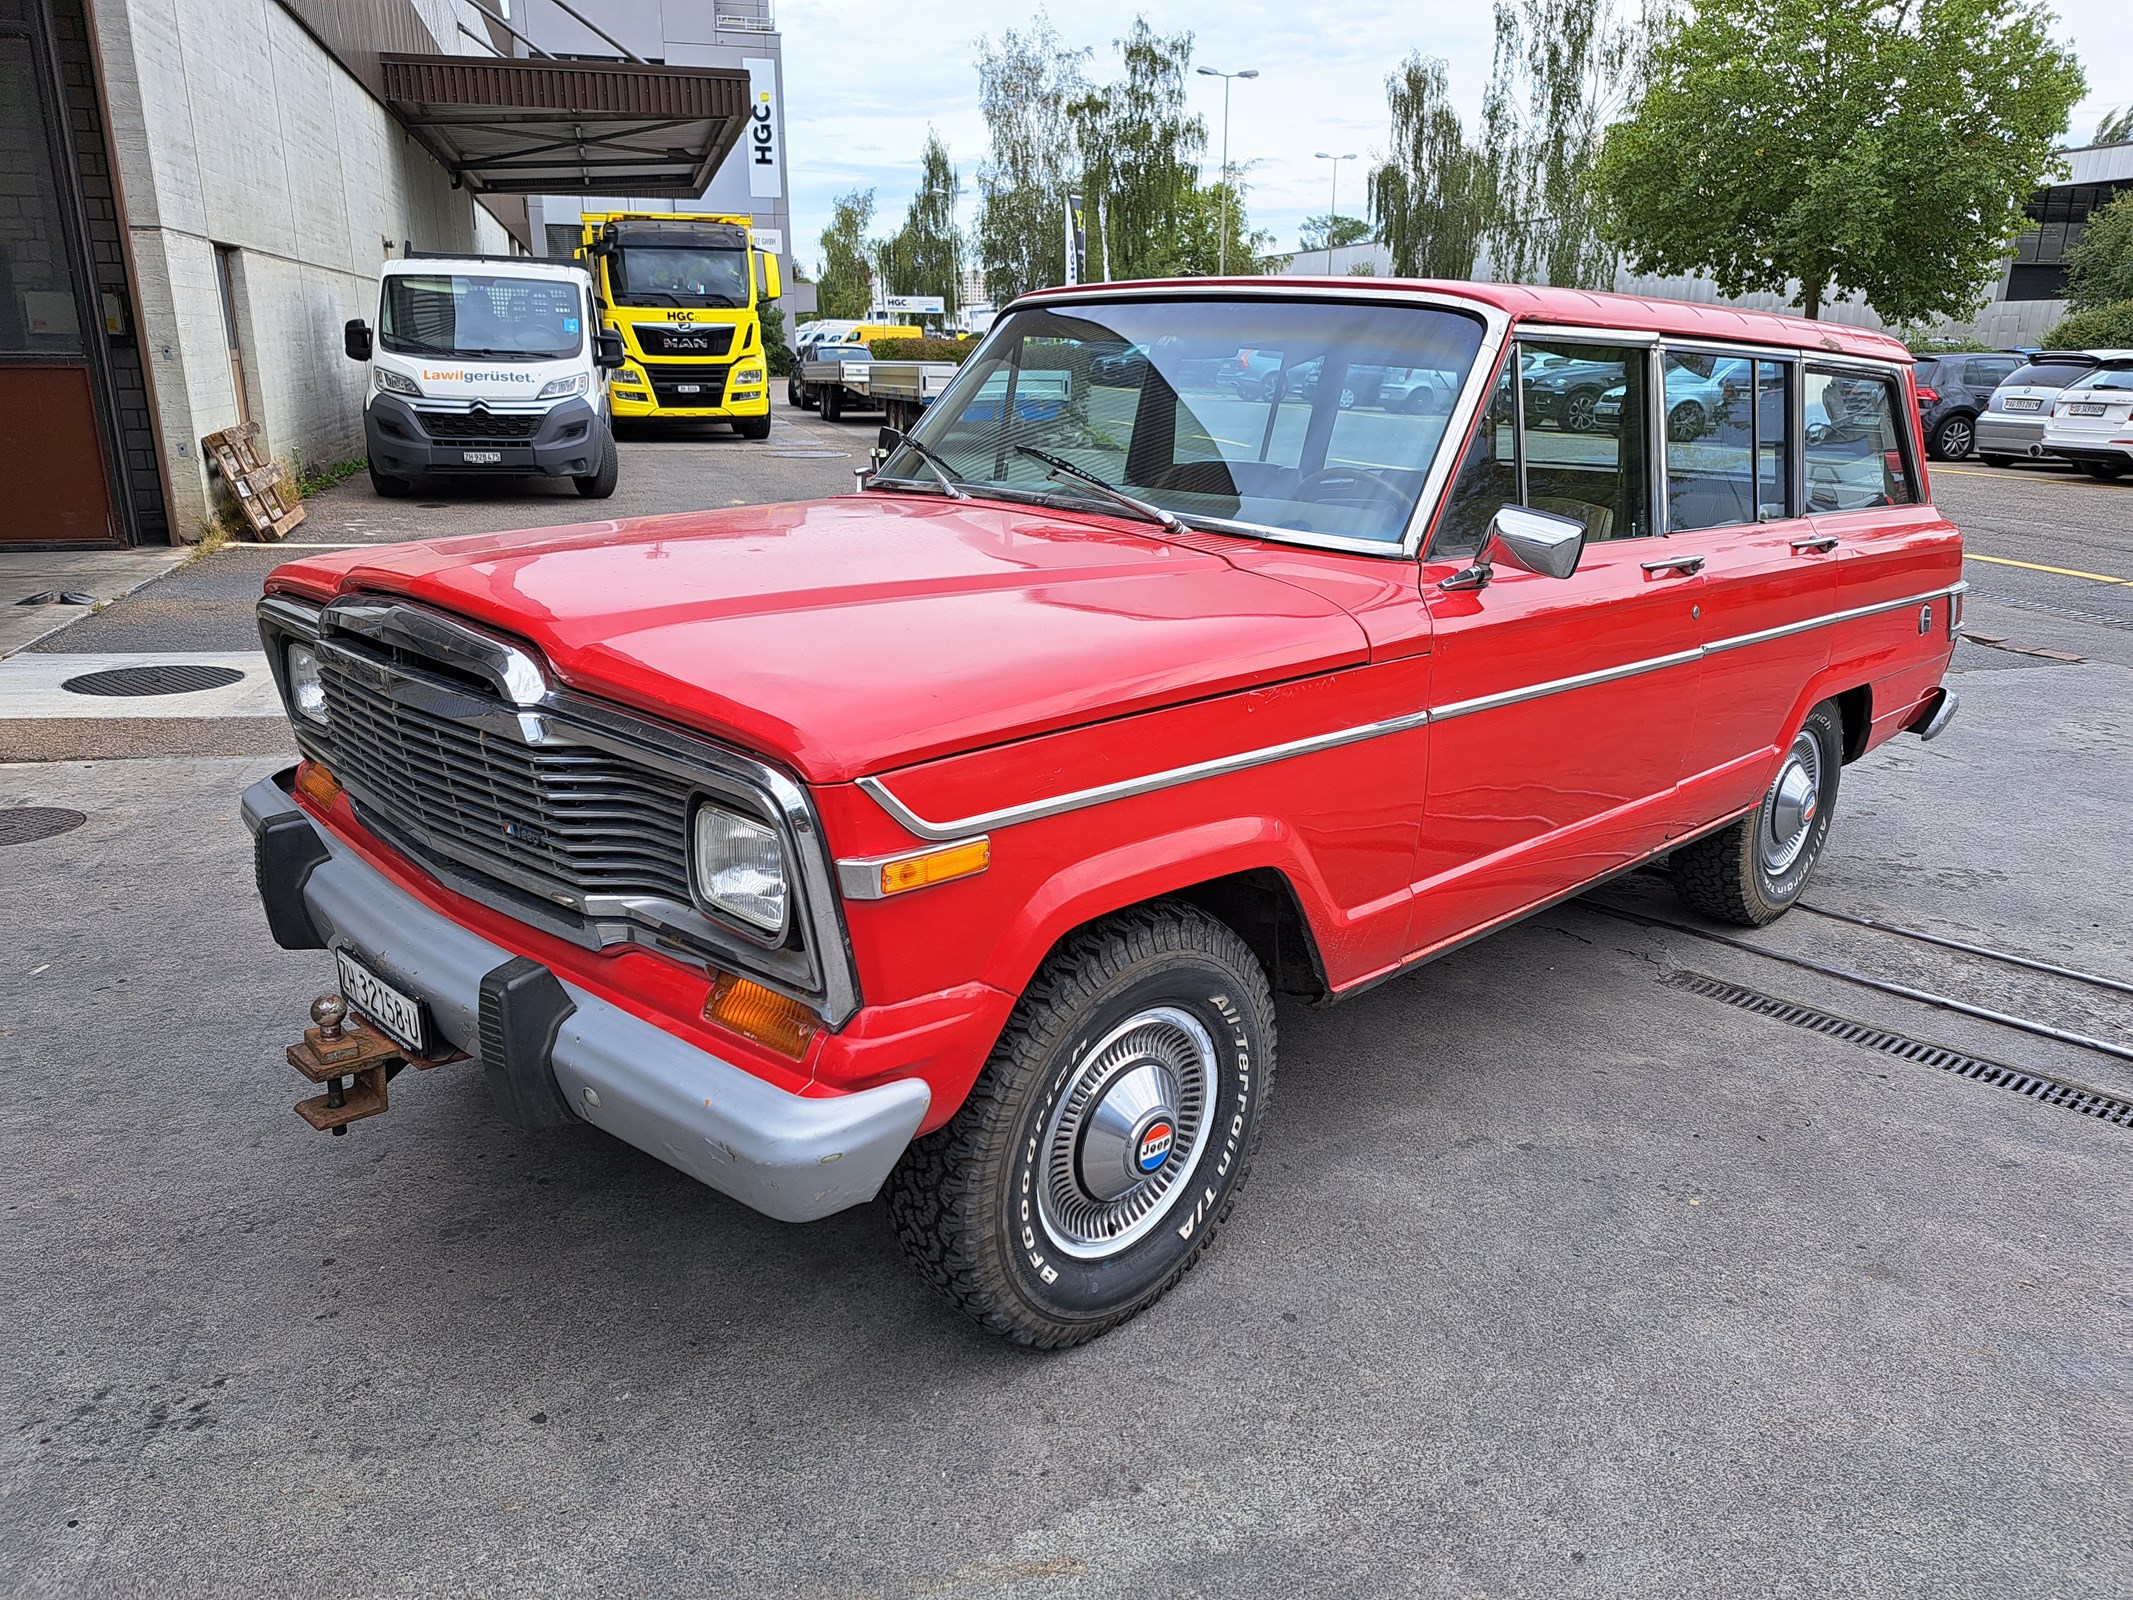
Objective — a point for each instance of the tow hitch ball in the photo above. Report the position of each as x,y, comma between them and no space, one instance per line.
352,1059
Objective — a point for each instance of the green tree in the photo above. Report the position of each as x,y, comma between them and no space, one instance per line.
846,287
1845,146
925,255
1198,250
1331,232
2108,327
1563,70
2099,269
1139,150
1025,84
1434,195
2116,126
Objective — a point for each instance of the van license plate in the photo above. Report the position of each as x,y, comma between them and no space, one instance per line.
400,1017
688,388
481,458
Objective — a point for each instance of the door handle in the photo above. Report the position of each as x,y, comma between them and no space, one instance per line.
1687,566
1821,543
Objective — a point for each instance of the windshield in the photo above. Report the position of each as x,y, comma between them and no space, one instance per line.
672,267
504,318
2046,375
2105,378
1313,417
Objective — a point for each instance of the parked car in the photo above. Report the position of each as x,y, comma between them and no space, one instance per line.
1254,375
1952,392
2011,427
2091,423
1417,390
950,839
1701,395
1567,393
1123,369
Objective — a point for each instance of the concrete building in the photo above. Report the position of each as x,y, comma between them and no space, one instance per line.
2028,299
739,35
195,195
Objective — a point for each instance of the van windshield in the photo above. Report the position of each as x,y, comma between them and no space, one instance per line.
1315,417
493,317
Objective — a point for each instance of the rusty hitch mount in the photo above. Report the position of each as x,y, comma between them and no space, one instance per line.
352,1059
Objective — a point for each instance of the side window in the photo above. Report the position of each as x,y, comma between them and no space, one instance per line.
1854,452
1487,479
1725,440
1585,449
1991,372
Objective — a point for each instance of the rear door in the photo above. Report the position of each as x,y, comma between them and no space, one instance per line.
1769,573
1559,706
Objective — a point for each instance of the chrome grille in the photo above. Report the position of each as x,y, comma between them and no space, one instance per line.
575,817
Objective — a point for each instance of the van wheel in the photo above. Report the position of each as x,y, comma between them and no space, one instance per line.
602,483
1752,871
753,427
388,487
1107,1137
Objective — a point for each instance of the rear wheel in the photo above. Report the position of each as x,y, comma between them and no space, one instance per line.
1581,411
2105,471
1997,461
832,404
753,427
1107,1137
1684,422
1752,870
601,482
1952,438
389,487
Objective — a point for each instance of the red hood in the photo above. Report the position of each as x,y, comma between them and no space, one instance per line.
860,634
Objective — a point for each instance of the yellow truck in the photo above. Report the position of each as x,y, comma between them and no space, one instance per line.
685,292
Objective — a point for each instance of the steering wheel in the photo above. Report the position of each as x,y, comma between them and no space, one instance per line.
1372,487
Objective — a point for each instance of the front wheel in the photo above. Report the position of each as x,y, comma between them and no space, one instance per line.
1107,1137
1581,412
601,482
753,427
1952,438
386,486
1751,871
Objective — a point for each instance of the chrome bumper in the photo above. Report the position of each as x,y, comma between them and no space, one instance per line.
1935,722
787,1156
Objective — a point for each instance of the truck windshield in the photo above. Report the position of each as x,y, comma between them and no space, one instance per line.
672,267
495,317
1313,417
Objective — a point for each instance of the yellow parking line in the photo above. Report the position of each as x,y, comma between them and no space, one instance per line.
2009,475
2032,566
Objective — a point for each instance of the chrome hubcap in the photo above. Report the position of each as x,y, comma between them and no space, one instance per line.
1789,819
1126,1133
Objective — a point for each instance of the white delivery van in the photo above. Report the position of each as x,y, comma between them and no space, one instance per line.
487,364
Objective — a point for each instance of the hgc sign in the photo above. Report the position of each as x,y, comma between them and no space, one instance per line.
765,175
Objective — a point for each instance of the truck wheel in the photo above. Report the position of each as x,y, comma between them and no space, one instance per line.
1752,871
792,394
832,404
753,427
809,400
602,483
388,487
1107,1137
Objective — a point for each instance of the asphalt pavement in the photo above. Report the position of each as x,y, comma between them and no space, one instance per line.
1555,1277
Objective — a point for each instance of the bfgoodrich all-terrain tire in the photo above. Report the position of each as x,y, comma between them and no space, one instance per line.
1107,1137
1752,870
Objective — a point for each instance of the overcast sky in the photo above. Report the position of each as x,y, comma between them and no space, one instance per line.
862,82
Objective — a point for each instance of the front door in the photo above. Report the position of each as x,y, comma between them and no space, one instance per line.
1560,707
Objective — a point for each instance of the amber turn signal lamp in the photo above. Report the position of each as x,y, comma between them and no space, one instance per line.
935,866
754,1012
317,785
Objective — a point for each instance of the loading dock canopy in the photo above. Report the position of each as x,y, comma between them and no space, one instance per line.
569,127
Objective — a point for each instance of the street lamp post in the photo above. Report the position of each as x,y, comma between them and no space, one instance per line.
1222,244
1333,205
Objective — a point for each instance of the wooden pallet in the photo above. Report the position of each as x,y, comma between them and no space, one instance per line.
262,488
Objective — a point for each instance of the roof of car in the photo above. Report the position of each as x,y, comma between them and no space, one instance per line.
1583,308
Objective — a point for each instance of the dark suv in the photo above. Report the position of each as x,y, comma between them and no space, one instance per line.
1952,390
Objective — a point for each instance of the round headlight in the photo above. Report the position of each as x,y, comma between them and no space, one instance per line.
307,690
740,868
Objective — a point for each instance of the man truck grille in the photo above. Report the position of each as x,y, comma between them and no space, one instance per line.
573,816
712,339
672,383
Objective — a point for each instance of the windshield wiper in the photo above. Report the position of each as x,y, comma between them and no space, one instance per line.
931,461
1170,520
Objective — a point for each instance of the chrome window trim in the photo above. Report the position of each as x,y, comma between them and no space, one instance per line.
1220,766
1495,329
821,973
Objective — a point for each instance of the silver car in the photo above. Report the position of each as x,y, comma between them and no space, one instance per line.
2011,427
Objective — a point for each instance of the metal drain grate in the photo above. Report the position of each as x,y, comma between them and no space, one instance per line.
28,824
160,678
2033,1085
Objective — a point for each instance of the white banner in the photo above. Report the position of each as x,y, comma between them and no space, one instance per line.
920,304
771,239
766,162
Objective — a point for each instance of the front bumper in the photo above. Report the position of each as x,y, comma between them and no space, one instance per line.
788,1156
404,442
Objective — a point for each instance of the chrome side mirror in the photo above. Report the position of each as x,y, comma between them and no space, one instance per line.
1533,541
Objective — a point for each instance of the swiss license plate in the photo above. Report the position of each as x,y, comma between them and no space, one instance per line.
400,1017
2024,405
688,388
2080,410
481,458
